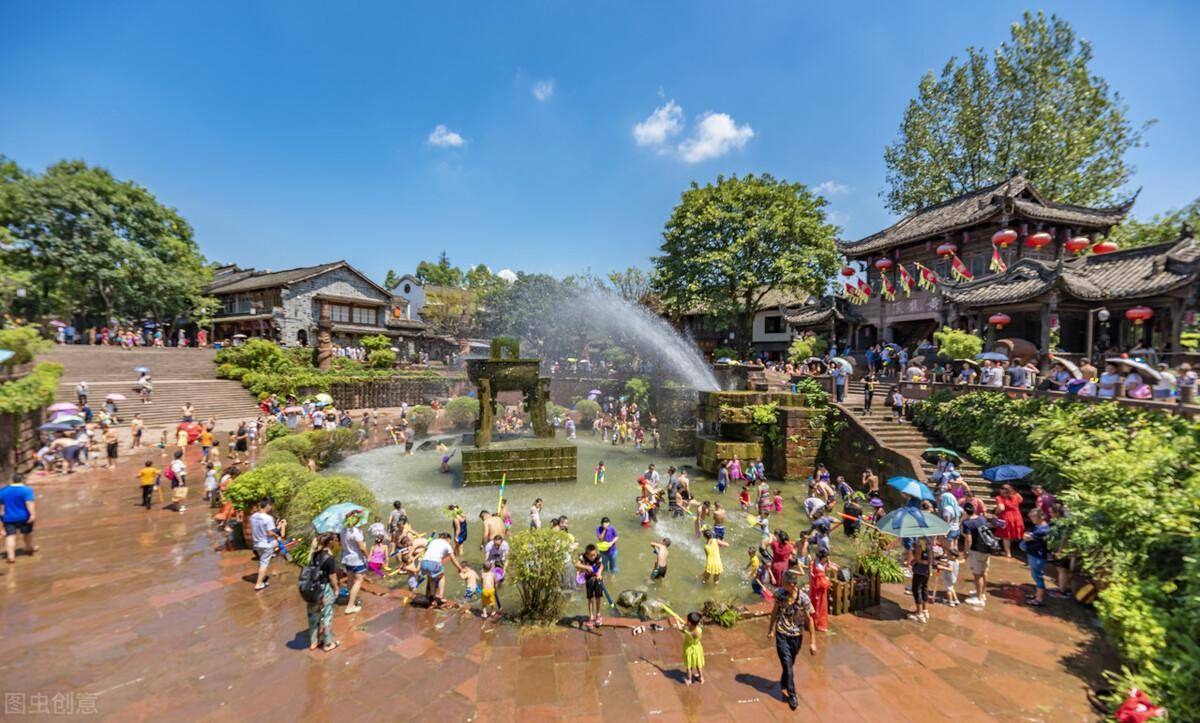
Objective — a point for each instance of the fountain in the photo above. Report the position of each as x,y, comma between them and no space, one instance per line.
542,459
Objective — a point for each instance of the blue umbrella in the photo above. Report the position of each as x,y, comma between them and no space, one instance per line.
1006,473
992,356
912,488
5,355
54,427
142,370
334,516
912,522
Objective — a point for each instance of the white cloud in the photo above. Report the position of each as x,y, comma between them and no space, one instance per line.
831,188
443,137
715,135
665,122
507,275
543,90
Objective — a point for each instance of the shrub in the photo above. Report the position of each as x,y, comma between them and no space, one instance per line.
588,410
297,444
806,347
280,482
553,410
638,390
535,566
376,342
814,394
421,418
321,492
381,359
725,352
277,456
331,446
32,391
275,431
255,355
462,411
614,356
25,342
957,344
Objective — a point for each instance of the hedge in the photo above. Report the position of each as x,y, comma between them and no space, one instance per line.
280,481
325,447
277,456
462,411
321,492
32,391
1130,482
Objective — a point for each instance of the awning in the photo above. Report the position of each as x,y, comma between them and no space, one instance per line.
351,300
240,318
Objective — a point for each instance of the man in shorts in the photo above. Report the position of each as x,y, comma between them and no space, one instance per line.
266,537
18,511
179,489
978,555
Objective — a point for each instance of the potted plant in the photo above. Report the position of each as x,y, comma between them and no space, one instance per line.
871,566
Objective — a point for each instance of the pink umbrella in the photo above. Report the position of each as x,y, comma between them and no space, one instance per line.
62,407
116,397
293,410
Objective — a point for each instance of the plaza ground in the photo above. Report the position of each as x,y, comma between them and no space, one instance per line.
138,609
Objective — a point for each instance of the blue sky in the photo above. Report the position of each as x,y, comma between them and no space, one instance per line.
291,133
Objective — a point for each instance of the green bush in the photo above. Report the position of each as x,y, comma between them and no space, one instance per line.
297,444
553,410
321,492
254,355
1130,482
806,347
331,446
25,342
462,411
535,567
381,359
814,394
724,352
638,390
421,418
275,431
277,456
32,391
957,344
280,482
614,356
376,342
588,410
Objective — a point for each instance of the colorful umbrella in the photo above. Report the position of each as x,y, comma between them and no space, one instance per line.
1067,364
933,452
992,356
62,407
844,363
333,519
116,397
57,323
912,488
67,419
1006,473
54,427
142,370
972,362
1140,367
293,410
324,397
912,522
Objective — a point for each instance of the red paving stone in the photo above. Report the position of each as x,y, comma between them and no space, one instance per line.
141,611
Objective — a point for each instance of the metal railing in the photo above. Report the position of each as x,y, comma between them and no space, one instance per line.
923,390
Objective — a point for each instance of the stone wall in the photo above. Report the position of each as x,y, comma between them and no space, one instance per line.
393,392
300,305
799,432
18,442
542,463
855,450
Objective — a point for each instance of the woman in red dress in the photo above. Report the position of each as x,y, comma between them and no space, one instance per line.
1008,508
818,589
781,555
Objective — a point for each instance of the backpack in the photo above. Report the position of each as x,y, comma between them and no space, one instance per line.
311,581
169,473
987,539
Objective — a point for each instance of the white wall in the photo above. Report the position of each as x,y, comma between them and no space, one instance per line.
410,288
760,326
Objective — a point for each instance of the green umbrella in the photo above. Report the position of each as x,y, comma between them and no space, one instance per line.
933,452
912,522
324,397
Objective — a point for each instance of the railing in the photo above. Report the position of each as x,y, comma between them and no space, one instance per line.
922,390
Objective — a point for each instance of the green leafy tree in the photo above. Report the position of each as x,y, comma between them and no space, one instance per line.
536,308
98,247
391,280
1036,106
440,272
806,347
957,344
632,284
1162,228
451,311
536,568
727,245
376,342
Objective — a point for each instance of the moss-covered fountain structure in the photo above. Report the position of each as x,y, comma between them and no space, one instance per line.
537,459
782,429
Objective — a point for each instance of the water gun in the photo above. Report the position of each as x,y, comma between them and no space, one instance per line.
673,614
503,480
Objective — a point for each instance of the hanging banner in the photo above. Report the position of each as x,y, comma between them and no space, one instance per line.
926,278
865,289
959,269
888,290
997,265
907,282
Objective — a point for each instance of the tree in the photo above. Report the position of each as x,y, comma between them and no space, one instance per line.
97,247
957,344
480,280
1162,228
542,311
632,284
441,273
391,280
1036,107
450,311
726,246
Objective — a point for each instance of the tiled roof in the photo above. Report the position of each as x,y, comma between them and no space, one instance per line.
811,316
980,206
249,279
1135,273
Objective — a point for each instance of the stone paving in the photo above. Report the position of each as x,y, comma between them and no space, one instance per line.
136,614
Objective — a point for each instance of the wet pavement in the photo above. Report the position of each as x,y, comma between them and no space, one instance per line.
132,613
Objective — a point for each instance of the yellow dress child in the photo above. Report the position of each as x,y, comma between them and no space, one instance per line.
693,651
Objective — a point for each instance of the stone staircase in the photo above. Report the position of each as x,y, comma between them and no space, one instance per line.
180,375
904,436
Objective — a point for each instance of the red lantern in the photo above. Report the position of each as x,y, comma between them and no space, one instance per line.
999,320
883,264
1138,314
1039,239
1078,244
946,249
848,271
1104,247
1004,237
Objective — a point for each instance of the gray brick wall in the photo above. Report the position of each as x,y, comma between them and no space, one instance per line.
300,307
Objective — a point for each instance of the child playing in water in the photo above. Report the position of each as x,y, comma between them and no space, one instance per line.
744,498
722,478
660,550
470,580
693,652
378,557
718,515
644,510
701,516
487,594
712,553
599,473
777,503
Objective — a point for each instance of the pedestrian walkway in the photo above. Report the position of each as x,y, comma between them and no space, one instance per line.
137,612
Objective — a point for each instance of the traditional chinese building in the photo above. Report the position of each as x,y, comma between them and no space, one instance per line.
1006,258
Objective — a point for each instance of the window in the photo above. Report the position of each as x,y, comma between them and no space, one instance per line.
364,316
773,325
339,312
408,288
